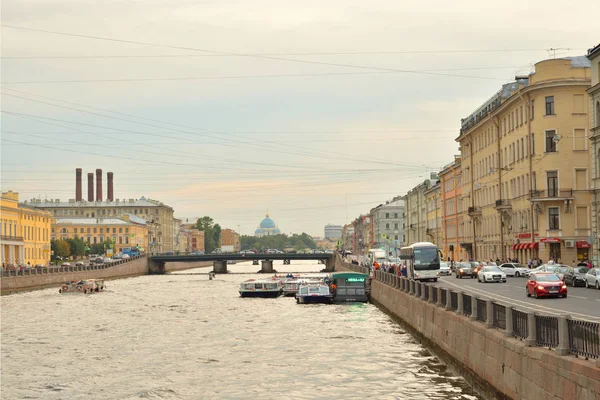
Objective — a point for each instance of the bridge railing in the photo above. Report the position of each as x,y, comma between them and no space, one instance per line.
563,334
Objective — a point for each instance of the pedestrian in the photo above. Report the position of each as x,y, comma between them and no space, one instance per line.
404,273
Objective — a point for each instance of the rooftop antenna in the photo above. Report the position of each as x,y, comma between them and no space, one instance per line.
552,51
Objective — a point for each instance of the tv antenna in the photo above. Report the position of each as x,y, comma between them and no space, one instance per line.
552,51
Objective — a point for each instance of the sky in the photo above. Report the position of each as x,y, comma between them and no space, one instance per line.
316,111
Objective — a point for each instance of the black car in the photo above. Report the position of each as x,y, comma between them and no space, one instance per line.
575,276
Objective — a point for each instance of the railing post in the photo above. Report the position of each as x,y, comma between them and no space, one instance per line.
439,297
530,341
459,300
431,289
563,336
449,299
423,288
473,315
489,318
411,285
509,320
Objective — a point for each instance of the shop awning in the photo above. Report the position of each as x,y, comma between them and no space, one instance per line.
550,240
514,246
583,244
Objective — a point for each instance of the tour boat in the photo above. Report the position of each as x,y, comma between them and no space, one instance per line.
291,285
82,286
261,288
314,292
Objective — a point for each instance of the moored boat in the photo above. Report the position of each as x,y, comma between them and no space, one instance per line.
314,292
82,286
260,288
350,287
291,285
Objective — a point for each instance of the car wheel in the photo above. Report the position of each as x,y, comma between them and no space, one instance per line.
573,283
565,296
587,285
461,277
517,274
535,295
456,276
597,285
527,292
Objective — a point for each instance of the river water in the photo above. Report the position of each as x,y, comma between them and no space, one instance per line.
182,336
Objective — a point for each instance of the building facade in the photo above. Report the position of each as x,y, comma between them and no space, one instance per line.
229,237
267,227
434,212
452,211
158,216
25,233
415,213
363,234
594,94
348,237
525,166
388,224
334,232
197,240
127,231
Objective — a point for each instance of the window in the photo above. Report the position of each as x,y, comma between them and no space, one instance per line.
74,230
532,109
552,181
396,225
387,215
579,140
88,230
522,148
598,113
126,230
549,105
550,143
532,145
94,230
578,105
114,230
521,115
387,226
395,215
553,218
581,179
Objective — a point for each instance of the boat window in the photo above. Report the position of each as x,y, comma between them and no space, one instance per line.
303,290
314,289
258,286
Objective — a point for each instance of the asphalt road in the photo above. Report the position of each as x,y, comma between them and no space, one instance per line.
581,303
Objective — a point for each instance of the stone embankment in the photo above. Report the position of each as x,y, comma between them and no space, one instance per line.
492,359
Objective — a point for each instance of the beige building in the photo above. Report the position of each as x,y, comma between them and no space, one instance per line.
452,212
415,217
433,207
158,216
594,94
197,240
25,233
526,165
230,238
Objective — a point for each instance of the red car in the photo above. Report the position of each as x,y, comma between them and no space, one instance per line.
543,284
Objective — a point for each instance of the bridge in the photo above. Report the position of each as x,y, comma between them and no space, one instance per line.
156,264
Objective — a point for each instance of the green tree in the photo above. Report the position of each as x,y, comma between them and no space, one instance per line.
77,246
207,225
60,248
217,235
99,248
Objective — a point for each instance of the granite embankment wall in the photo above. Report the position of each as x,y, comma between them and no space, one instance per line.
500,366
133,268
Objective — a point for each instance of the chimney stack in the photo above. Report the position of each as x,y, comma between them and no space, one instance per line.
78,196
98,185
109,194
91,186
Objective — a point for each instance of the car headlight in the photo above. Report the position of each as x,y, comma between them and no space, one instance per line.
461,270
564,286
540,287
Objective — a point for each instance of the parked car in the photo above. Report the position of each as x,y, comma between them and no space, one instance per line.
65,264
491,274
592,278
545,284
575,276
117,257
79,264
445,268
464,269
107,260
514,269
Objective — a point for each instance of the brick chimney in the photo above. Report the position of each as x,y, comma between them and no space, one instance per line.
98,185
78,196
109,194
91,186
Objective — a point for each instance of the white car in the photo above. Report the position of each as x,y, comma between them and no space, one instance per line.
445,268
491,274
592,278
514,269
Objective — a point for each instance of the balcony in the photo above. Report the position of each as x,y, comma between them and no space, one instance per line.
551,195
503,205
474,211
8,238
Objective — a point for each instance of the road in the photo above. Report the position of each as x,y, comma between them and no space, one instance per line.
581,303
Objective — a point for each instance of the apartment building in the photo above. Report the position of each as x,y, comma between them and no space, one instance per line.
594,94
433,208
452,211
415,215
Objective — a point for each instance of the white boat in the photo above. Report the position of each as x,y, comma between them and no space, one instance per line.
261,288
291,285
314,292
83,286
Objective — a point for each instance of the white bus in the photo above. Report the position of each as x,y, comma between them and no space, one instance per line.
422,261
375,255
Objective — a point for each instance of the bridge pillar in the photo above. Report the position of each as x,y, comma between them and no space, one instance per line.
267,266
155,267
254,262
329,264
220,267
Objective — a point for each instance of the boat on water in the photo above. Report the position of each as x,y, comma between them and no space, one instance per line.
291,285
350,287
261,288
314,292
83,286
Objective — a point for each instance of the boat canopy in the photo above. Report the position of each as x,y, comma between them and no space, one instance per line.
345,275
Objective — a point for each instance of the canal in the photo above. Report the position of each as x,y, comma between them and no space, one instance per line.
182,336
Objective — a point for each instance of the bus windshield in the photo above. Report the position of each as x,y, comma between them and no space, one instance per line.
426,258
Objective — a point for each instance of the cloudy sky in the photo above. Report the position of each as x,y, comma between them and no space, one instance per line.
314,110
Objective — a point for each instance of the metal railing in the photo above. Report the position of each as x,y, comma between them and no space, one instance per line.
467,305
584,338
481,310
434,294
551,193
520,328
13,238
454,301
499,316
546,331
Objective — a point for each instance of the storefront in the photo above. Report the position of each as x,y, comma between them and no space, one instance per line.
583,250
553,245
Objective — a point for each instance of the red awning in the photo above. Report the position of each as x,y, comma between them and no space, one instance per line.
519,246
535,245
550,240
583,244
515,246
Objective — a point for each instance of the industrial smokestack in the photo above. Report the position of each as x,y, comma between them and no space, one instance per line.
91,186
109,194
98,184
78,196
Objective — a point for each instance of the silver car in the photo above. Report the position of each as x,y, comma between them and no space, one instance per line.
592,278
445,268
514,269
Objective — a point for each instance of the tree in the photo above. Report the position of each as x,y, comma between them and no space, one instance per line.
204,223
217,235
98,248
207,225
77,246
60,248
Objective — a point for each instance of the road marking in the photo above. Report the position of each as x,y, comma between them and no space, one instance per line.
525,304
577,297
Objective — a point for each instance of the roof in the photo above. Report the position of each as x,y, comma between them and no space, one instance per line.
92,221
141,202
593,52
579,62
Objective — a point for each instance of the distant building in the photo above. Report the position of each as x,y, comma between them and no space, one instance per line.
348,237
229,237
333,232
267,227
594,94
197,240
388,224
25,232
415,214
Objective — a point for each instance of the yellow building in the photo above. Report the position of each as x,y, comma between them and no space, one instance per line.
453,246
594,95
25,233
128,231
197,238
433,207
526,166
229,237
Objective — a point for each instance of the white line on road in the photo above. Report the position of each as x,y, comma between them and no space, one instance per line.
525,304
578,297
